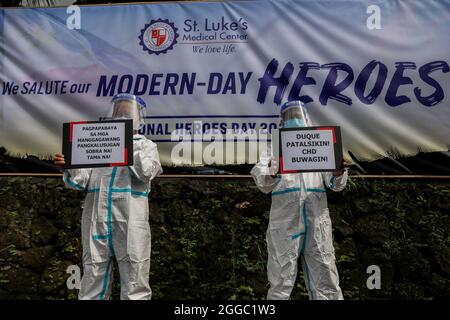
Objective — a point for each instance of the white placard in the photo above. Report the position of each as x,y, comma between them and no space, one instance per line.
308,150
95,143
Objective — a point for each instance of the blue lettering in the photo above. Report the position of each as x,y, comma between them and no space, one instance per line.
397,80
211,88
268,80
123,79
106,89
137,90
361,82
424,71
244,81
155,83
330,89
303,80
187,83
230,84
171,82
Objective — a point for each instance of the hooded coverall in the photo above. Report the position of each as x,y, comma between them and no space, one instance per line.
115,223
300,225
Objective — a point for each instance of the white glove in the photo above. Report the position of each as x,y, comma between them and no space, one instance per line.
273,167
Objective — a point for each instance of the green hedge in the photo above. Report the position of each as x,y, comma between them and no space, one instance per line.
208,239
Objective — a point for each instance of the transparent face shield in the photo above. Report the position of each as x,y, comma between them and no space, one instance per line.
127,109
294,117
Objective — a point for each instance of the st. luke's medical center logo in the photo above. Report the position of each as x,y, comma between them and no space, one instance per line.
159,36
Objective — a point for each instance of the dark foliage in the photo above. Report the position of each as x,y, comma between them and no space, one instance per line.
208,239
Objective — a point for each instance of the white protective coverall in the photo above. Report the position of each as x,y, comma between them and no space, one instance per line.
300,225
115,223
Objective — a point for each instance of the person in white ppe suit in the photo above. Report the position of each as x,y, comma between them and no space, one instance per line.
115,219
299,224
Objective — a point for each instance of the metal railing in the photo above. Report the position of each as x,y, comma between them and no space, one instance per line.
238,176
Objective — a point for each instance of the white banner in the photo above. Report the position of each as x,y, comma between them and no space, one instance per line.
377,69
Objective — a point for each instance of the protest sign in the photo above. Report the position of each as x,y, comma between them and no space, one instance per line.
310,149
88,144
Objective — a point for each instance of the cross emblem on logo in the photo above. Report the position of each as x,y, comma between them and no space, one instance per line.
158,37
